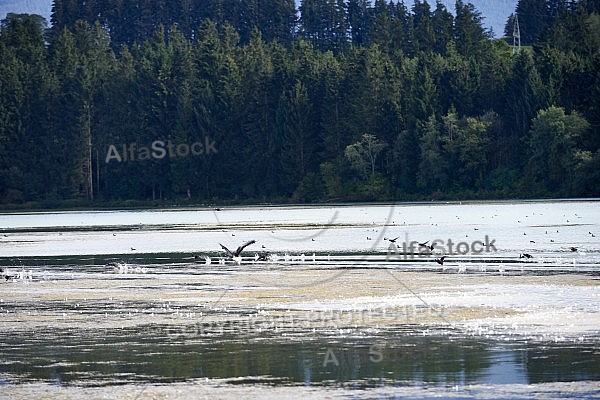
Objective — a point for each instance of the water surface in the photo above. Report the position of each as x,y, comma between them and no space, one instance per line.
128,303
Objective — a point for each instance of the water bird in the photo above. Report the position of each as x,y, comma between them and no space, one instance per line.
4,276
573,248
525,255
392,240
261,257
23,275
119,267
238,251
440,260
424,244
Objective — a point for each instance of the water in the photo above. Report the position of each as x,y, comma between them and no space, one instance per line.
143,304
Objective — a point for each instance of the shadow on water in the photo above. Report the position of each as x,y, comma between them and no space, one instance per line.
119,356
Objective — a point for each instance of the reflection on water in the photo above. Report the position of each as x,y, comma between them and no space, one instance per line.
132,355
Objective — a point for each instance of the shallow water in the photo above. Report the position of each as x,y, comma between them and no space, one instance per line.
128,303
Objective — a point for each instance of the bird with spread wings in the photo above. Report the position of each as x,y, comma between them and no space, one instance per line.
238,251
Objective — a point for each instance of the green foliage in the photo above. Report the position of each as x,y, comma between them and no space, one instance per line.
555,156
449,112
433,167
362,155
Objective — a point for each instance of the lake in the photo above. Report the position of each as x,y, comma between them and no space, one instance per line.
332,301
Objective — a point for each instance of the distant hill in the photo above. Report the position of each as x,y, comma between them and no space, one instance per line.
41,7
495,12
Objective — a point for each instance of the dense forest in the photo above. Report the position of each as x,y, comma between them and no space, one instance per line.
222,101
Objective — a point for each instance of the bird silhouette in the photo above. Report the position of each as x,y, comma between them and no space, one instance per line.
238,251
573,248
6,277
392,240
525,255
424,244
440,260
261,257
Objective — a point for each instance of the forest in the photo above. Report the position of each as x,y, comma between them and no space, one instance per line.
128,102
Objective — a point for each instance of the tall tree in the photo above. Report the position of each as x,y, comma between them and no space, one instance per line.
534,19
363,154
432,174
443,22
469,33
421,31
324,22
359,22
26,87
525,95
554,150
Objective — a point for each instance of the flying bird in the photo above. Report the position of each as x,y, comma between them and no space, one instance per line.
429,246
392,240
440,260
525,255
238,251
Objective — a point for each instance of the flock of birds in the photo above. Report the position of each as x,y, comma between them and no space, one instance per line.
424,245
236,257
438,257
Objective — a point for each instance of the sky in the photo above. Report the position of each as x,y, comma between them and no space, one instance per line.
42,7
495,12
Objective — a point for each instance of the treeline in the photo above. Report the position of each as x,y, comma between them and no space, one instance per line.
123,101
